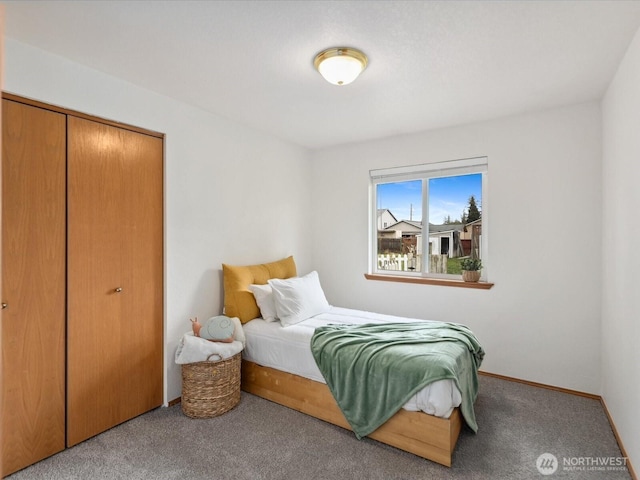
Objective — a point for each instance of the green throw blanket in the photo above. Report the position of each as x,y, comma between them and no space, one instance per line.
372,370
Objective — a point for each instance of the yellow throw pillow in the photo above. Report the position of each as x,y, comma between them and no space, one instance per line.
238,299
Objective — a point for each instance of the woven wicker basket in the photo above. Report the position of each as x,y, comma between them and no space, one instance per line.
210,388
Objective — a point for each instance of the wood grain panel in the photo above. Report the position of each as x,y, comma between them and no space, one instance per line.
115,232
33,277
416,432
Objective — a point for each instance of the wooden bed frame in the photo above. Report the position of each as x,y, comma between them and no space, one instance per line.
424,435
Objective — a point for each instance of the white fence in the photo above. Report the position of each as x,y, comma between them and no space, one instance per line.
411,263
402,263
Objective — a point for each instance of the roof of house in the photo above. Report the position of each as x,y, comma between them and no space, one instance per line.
475,222
446,227
433,228
411,223
382,210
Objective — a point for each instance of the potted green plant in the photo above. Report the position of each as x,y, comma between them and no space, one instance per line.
471,269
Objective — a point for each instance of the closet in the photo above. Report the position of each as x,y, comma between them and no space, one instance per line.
82,273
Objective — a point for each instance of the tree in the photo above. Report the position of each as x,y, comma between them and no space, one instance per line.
474,213
447,220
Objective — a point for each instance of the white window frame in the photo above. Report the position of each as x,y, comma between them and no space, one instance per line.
424,172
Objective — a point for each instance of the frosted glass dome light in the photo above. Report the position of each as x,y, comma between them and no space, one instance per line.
340,65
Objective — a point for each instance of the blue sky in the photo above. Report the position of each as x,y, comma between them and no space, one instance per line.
448,196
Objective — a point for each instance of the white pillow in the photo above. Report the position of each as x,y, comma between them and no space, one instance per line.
265,301
298,298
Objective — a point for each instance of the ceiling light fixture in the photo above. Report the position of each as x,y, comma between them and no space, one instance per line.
340,65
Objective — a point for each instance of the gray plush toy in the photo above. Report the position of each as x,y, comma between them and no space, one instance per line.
216,329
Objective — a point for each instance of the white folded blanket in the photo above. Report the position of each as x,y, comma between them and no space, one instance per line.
193,349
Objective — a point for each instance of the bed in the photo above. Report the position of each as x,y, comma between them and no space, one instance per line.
277,365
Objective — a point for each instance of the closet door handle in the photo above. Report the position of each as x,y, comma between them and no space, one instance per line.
4,305
118,290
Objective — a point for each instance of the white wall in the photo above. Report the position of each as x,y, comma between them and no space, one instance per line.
541,320
621,241
232,194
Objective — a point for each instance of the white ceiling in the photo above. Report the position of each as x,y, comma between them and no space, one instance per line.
431,63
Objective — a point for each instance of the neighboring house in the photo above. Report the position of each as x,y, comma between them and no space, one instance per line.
408,228
400,237
385,218
467,231
471,237
407,233
445,239
389,233
453,239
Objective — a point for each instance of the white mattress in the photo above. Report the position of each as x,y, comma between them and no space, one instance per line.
288,349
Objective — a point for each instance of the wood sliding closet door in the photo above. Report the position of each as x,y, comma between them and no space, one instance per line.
115,276
33,277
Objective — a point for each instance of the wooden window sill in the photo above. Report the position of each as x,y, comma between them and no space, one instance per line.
429,281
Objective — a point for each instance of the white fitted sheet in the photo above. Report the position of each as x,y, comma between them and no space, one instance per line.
288,349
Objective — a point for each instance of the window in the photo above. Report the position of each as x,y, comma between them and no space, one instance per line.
440,209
